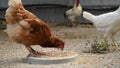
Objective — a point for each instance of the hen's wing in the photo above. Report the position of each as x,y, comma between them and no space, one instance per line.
35,25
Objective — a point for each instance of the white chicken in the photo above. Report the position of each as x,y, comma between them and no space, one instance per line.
108,22
74,12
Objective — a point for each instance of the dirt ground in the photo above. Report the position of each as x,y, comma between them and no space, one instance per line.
77,39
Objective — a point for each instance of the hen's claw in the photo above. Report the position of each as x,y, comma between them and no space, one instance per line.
35,54
104,43
116,45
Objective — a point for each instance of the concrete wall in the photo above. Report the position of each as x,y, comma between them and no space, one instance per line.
53,10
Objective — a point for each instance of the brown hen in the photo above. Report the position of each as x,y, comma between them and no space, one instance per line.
25,28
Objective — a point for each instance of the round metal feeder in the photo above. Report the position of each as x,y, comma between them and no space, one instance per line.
38,60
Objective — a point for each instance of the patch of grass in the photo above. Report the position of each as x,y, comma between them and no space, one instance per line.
97,47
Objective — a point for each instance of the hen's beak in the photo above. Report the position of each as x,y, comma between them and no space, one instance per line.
61,49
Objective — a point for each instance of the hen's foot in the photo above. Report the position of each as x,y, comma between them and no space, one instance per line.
33,52
104,43
116,45
36,54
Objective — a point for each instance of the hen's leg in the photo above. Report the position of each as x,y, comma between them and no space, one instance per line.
73,24
104,43
33,52
114,41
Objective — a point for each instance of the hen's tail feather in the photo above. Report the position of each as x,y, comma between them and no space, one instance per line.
88,16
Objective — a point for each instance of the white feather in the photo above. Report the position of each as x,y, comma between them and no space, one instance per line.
13,30
14,2
24,24
103,21
88,16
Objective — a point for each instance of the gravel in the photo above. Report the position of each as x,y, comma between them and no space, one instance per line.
77,39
